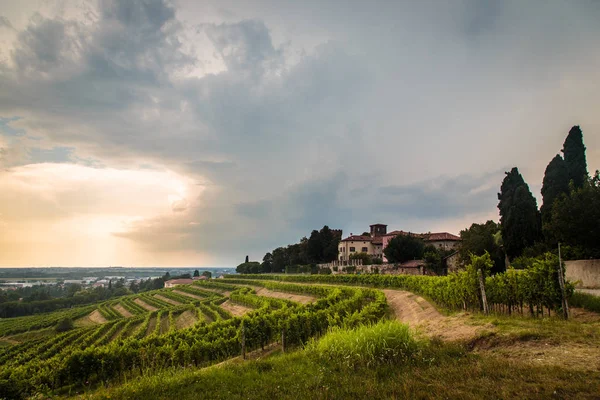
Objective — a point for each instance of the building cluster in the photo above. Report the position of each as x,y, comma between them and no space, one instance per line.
375,243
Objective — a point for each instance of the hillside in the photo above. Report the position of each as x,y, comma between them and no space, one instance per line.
171,335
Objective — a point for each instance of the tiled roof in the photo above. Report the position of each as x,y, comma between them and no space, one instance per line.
442,236
357,238
436,236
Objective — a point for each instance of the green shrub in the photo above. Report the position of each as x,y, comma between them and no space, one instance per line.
65,324
387,342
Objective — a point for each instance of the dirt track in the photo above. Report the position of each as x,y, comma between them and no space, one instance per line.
193,296
235,309
147,306
419,313
121,310
167,300
299,298
96,317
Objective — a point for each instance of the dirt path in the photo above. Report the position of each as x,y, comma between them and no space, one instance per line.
96,317
146,306
186,319
419,313
167,300
121,310
225,293
299,298
164,324
193,296
151,326
235,309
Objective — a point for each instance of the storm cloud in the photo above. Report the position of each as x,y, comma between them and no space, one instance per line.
275,118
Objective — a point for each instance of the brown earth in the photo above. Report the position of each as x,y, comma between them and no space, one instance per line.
96,317
151,326
421,315
193,296
219,291
235,309
186,319
164,323
299,298
146,306
122,310
167,300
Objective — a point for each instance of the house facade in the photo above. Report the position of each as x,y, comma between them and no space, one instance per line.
379,238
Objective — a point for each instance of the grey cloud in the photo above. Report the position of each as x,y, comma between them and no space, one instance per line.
442,197
355,129
245,46
4,22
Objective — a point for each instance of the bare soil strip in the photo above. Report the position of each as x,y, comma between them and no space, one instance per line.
185,320
116,334
167,300
151,326
299,298
235,309
225,293
121,310
96,317
147,306
193,296
164,323
419,313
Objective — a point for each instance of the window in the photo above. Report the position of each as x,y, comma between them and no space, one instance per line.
364,249
352,249
341,249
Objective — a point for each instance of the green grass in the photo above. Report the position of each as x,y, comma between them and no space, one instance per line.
302,376
387,342
586,301
380,362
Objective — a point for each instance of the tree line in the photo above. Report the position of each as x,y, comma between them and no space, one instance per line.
320,247
569,214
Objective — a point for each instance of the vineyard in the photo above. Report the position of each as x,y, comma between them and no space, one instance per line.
189,325
211,321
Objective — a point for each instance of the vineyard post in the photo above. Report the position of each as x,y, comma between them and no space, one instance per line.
243,341
283,340
561,282
483,296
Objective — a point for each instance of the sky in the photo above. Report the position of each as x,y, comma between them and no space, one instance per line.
194,133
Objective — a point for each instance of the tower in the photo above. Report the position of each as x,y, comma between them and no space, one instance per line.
378,230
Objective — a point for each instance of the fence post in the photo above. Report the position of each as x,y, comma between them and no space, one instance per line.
561,282
483,296
283,340
243,341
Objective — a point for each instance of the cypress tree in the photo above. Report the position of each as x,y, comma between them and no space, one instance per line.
556,182
574,153
520,219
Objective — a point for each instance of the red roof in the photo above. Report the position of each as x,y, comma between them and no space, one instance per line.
357,238
442,236
430,237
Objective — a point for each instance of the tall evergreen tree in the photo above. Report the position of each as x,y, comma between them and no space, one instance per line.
246,259
574,153
520,219
556,182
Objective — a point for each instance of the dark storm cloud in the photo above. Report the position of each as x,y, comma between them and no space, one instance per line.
384,115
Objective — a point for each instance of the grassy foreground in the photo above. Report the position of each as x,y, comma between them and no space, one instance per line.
383,361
